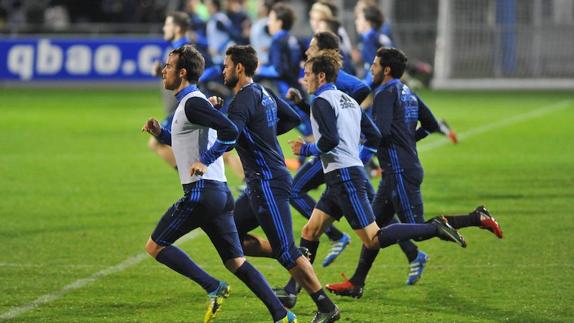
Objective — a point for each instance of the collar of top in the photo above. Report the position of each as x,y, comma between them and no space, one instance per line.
388,85
280,34
325,87
179,42
369,34
185,91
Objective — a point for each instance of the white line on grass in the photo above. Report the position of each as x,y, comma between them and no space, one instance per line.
129,262
132,261
499,124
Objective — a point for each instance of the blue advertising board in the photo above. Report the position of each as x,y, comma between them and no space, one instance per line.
79,59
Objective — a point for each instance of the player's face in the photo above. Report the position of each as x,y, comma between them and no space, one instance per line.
168,29
313,48
273,23
377,71
171,74
230,77
315,18
361,23
310,80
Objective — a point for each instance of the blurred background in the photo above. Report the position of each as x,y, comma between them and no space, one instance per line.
454,44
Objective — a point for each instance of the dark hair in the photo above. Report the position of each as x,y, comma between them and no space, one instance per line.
180,19
393,58
327,40
244,55
333,24
374,16
284,13
325,64
190,59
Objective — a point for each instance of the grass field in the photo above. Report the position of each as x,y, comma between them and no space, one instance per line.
80,193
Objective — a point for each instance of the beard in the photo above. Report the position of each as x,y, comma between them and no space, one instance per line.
377,79
231,82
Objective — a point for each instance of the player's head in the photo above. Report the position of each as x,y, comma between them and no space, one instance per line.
329,24
318,12
318,71
240,61
322,40
184,63
281,17
175,25
389,62
371,17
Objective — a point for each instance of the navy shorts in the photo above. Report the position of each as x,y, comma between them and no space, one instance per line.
400,194
346,194
207,205
265,203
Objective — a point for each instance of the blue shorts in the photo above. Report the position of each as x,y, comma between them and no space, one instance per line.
400,194
207,205
346,194
265,203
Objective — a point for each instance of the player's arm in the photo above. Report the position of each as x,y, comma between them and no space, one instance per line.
288,117
426,118
200,111
359,89
238,111
326,120
383,106
273,69
372,136
153,127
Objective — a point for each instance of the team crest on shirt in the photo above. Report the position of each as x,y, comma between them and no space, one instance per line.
346,102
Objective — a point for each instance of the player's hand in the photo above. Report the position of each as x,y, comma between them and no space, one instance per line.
198,169
294,95
296,145
216,101
152,127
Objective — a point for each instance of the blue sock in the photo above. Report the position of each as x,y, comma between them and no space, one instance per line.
179,261
259,286
365,263
394,233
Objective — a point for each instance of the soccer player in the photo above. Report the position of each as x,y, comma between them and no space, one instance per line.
260,116
199,136
174,29
310,175
397,111
284,53
336,120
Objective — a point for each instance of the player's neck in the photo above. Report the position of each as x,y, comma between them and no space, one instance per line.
387,79
184,83
243,81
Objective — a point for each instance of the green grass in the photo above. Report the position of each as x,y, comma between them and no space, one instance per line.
80,192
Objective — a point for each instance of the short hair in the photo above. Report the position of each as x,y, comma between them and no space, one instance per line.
284,13
393,58
332,23
334,54
190,59
332,7
374,16
324,64
327,40
180,19
244,55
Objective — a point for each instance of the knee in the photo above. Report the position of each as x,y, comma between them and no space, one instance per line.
153,144
152,248
233,264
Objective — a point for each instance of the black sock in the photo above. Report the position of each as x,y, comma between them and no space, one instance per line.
259,286
333,233
410,249
324,303
292,287
395,233
179,261
365,263
463,221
